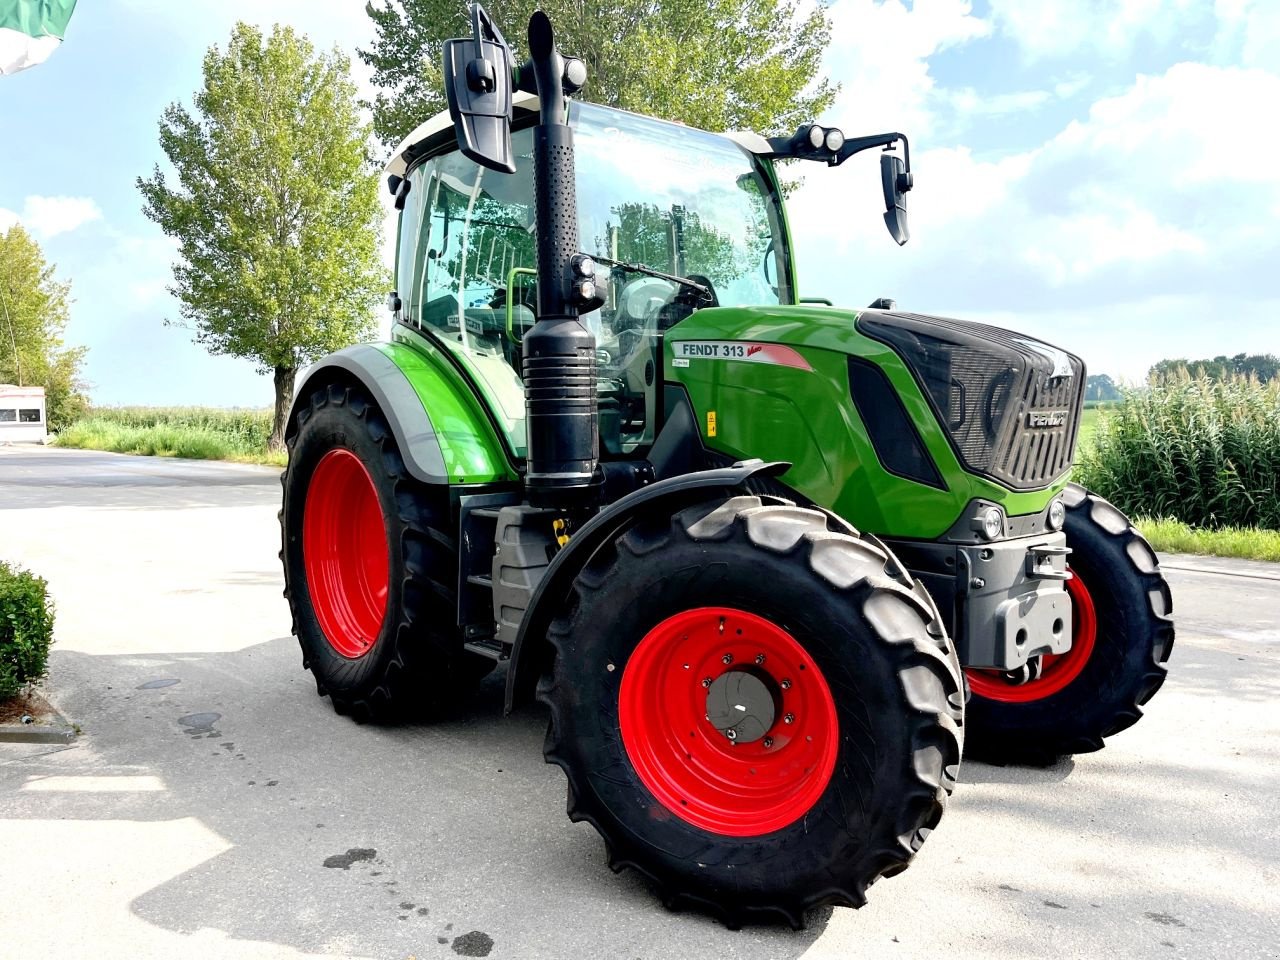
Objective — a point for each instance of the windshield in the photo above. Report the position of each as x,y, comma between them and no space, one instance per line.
680,201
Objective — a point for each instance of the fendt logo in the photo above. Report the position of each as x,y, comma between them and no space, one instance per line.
1046,418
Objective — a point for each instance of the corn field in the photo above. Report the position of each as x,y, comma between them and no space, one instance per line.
1205,452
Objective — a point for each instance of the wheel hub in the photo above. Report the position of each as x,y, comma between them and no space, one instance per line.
741,705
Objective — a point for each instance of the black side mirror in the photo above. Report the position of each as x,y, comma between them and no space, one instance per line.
402,192
896,182
477,72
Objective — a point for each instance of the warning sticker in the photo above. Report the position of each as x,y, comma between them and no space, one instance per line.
744,350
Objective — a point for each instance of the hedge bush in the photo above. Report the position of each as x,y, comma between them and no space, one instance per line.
1205,452
26,629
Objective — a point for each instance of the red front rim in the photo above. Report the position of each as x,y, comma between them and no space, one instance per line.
1057,672
344,550
735,788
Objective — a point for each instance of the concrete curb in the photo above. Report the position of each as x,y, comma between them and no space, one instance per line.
1220,566
54,728
36,733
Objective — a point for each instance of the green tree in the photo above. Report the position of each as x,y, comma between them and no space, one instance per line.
276,210
1102,388
714,64
33,317
1265,367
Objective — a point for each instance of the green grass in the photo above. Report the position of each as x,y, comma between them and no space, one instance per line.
197,433
1242,543
1088,427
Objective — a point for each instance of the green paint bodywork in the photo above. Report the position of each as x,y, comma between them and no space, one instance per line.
472,450
808,418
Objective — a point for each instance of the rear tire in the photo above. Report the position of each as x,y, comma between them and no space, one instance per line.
1121,590
384,645
842,794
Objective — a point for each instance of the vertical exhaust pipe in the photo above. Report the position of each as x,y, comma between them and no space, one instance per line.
559,365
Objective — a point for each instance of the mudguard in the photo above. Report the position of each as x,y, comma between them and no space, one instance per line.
670,495
408,385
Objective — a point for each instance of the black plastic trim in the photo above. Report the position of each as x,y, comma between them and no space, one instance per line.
894,435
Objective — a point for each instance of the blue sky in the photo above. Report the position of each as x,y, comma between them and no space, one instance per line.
1102,175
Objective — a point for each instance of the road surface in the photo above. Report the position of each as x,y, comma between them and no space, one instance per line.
216,807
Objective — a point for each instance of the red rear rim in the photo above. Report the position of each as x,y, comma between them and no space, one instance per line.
1058,672
785,747
344,550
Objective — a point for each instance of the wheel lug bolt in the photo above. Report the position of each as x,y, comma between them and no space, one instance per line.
789,718
759,658
706,681
727,659
768,741
786,684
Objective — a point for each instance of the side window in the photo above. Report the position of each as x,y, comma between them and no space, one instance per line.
462,232
481,228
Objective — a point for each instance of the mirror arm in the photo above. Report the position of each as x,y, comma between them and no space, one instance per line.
858,144
788,147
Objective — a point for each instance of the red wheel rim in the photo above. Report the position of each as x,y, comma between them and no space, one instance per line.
739,789
344,551
1058,672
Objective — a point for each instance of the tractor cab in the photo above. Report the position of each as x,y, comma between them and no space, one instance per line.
675,219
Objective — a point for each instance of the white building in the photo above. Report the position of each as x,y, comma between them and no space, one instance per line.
22,414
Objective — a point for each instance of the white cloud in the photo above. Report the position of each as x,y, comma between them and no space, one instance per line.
1062,28
879,53
1252,26
1142,209
49,216
969,102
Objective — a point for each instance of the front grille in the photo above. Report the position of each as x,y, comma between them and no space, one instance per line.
1009,404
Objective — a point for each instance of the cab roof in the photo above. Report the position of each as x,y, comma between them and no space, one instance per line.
405,153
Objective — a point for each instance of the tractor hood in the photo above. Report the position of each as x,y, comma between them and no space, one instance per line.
1009,405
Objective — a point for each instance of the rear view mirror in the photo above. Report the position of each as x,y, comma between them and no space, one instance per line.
477,73
896,182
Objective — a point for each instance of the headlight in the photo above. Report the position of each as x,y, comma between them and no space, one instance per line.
817,136
1057,515
835,140
989,522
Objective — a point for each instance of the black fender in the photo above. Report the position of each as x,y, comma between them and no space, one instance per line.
410,423
528,654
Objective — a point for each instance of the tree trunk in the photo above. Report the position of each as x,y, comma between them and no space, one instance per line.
284,400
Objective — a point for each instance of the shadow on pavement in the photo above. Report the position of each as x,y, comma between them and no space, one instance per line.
386,841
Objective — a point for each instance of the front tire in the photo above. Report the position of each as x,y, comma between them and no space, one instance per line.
1122,636
806,641
370,568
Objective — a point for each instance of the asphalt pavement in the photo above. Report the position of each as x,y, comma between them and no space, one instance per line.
214,806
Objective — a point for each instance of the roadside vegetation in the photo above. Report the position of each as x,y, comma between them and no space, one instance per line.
1200,456
26,630
197,433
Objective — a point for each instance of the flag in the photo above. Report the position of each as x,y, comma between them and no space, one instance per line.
30,30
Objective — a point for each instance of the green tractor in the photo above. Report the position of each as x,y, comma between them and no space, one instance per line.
767,561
